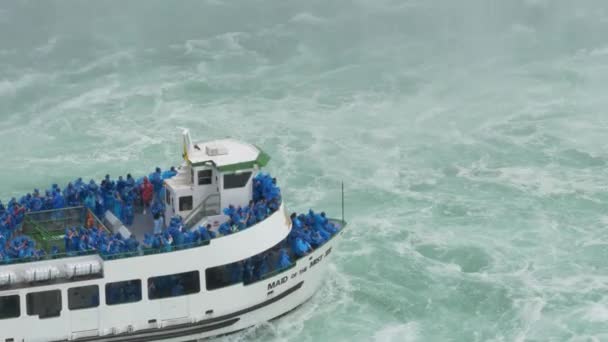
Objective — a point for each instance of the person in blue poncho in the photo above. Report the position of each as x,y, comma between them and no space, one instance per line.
273,205
226,228
297,224
148,241
109,183
89,202
129,214
36,202
132,244
58,200
316,239
301,247
157,182
158,224
71,195
324,234
118,203
120,184
261,210
93,186
284,261
169,173
67,238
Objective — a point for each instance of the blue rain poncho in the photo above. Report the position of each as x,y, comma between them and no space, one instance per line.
158,224
261,211
58,201
129,214
284,260
324,234
317,240
36,204
301,247
169,173
225,228
120,184
157,180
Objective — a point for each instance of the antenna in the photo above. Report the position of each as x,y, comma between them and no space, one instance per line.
342,202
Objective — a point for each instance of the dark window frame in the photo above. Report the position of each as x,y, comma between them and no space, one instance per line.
236,180
163,293
11,314
205,179
80,306
33,301
168,197
183,205
117,284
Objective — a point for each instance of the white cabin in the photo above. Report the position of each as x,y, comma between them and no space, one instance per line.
215,174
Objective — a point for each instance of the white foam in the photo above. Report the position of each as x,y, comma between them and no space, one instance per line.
48,47
596,313
306,18
398,333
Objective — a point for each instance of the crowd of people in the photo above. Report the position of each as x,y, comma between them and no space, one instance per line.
118,196
79,240
266,200
309,231
176,236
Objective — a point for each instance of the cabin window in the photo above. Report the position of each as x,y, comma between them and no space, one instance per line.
84,297
10,307
185,203
168,197
236,180
123,292
45,304
174,285
246,271
204,177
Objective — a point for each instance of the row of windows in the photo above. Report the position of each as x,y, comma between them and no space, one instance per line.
47,304
231,181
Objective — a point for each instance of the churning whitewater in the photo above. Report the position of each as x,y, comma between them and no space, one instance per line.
470,137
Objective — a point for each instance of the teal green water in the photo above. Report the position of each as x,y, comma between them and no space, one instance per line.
471,137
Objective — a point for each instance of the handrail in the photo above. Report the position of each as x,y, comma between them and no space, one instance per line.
194,217
46,257
105,256
150,251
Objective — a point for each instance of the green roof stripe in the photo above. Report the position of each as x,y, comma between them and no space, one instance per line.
262,160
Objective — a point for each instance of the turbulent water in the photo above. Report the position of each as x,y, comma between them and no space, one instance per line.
470,135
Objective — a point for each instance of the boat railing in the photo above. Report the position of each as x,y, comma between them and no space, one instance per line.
47,257
152,251
210,206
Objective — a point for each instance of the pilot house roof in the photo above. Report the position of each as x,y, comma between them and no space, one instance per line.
227,155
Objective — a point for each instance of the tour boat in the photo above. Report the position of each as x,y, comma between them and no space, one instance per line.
80,273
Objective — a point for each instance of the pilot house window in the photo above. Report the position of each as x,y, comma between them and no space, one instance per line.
185,203
204,177
44,304
9,307
236,180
